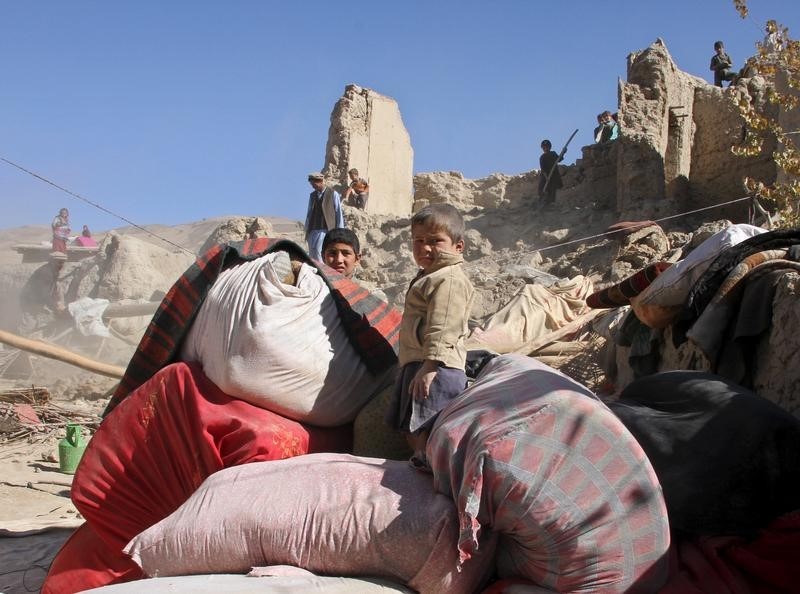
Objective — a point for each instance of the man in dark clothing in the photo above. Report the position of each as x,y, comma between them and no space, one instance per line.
549,176
324,213
721,65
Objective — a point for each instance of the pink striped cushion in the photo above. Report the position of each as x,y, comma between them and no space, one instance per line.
532,455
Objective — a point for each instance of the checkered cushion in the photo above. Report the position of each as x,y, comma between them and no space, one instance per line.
529,453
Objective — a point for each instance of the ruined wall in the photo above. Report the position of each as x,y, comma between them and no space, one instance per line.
367,132
673,154
494,191
677,131
598,173
718,174
657,129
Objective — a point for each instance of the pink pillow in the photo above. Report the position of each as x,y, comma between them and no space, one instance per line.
332,514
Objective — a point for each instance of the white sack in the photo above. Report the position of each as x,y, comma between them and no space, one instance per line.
671,287
280,347
88,316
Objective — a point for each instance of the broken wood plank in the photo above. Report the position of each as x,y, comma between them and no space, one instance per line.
61,354
32,395
562,348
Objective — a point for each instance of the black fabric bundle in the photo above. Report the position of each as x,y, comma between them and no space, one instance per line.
727,459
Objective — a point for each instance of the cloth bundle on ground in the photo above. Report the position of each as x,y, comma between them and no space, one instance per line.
177,427
728,460
371,325
729,463
673,286
246,584
358,516
371,436
536,457
280,346
152,452
739,313
621,293
659,303
535,311
703,291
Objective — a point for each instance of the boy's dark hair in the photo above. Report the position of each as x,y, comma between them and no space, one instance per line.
441,217
546,144
718,44
354,171
341,235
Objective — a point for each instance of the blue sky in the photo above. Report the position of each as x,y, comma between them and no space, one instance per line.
171,112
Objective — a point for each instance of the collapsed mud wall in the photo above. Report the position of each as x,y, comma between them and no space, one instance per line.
367,133
717,173
677,132
656,122
673,154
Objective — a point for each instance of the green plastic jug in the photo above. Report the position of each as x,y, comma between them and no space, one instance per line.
71,448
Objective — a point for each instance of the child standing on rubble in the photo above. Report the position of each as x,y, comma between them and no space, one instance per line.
433,329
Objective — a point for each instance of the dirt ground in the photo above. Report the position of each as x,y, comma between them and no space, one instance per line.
36,513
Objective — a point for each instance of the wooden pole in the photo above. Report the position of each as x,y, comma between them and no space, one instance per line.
45,349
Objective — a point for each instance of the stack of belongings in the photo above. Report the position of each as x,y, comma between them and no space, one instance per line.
534,457
729,464
719,297
228,448
169,426
728,459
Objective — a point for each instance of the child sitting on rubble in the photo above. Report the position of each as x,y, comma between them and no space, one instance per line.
433,329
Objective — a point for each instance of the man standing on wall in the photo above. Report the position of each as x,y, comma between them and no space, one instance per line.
721,64
549,176
324,213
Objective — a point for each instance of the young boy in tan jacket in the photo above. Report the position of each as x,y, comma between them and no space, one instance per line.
434,326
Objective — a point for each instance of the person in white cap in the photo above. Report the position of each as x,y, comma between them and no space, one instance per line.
324,213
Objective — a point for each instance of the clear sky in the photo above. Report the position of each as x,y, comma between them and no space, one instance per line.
174,111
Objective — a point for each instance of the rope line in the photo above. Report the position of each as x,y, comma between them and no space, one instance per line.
680,214
97,206
551,247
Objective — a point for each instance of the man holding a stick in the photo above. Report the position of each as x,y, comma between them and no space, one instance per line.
549,176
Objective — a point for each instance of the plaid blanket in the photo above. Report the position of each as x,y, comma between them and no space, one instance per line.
371,324
530,454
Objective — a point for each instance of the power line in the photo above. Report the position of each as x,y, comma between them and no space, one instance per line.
95,205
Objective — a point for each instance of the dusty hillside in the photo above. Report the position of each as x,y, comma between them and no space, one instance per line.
507,248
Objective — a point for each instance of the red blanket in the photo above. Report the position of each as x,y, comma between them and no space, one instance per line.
155,449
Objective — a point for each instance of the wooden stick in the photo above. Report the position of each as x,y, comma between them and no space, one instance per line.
61,354
551,360
562,348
